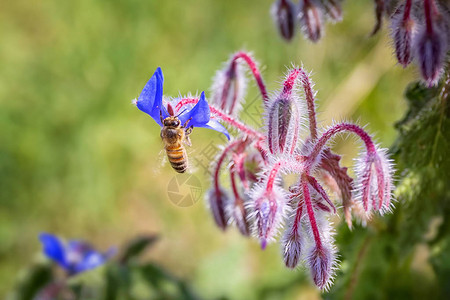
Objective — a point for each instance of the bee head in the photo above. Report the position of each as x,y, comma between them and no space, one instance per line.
171,121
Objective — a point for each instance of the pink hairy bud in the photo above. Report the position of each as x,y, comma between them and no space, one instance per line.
283,13
310,16
292,242
321,261
283,120
432,43
403,29
238,211
430,52
229,87
374,181
333,10
217,200
269,202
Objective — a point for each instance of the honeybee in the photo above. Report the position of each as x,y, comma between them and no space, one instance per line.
174,134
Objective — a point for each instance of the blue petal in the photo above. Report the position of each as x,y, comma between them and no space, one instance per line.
199,115
215,125
150,99
53,248
91,260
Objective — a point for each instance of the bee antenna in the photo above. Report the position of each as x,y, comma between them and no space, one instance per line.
181,112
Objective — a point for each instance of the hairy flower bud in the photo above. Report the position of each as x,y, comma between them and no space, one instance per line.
283,13
229,86
268,206
333,10
292,243
403,29
321,257
374,180
217,200
430,52
283,123
310,16
237,209
321,261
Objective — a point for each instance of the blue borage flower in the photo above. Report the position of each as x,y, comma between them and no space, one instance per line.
74,257
150,101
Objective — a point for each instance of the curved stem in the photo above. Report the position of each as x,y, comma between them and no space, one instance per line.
254,68
288,86
223,116
220,162
320,144
297,166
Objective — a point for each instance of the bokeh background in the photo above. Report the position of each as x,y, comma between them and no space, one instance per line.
77,159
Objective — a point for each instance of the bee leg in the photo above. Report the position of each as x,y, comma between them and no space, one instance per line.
189,130
187,140
184,125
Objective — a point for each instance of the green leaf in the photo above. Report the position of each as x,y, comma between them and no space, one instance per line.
135,247
35,279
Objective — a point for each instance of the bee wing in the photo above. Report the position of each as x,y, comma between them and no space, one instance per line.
187,140
162,158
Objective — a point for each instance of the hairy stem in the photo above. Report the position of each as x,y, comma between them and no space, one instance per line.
222,116
254,68
320,144
407,12
310,211
428,17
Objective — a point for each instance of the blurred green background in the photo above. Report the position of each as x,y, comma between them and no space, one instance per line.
79,160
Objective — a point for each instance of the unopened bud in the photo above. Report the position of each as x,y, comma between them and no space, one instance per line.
321,261
292,243
283,13
283,120
430,51
229,87
239,214
310,16
374,181
403,28
217,200
403,36
268,211
237,209
333,10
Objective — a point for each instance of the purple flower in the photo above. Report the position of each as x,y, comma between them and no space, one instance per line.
75,256
150,101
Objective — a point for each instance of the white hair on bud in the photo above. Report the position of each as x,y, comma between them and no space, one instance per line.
236,90
366,186
292,242
322,261
218,206
311,19
267,211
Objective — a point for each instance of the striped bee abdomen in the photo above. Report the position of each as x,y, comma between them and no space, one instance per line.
177,158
